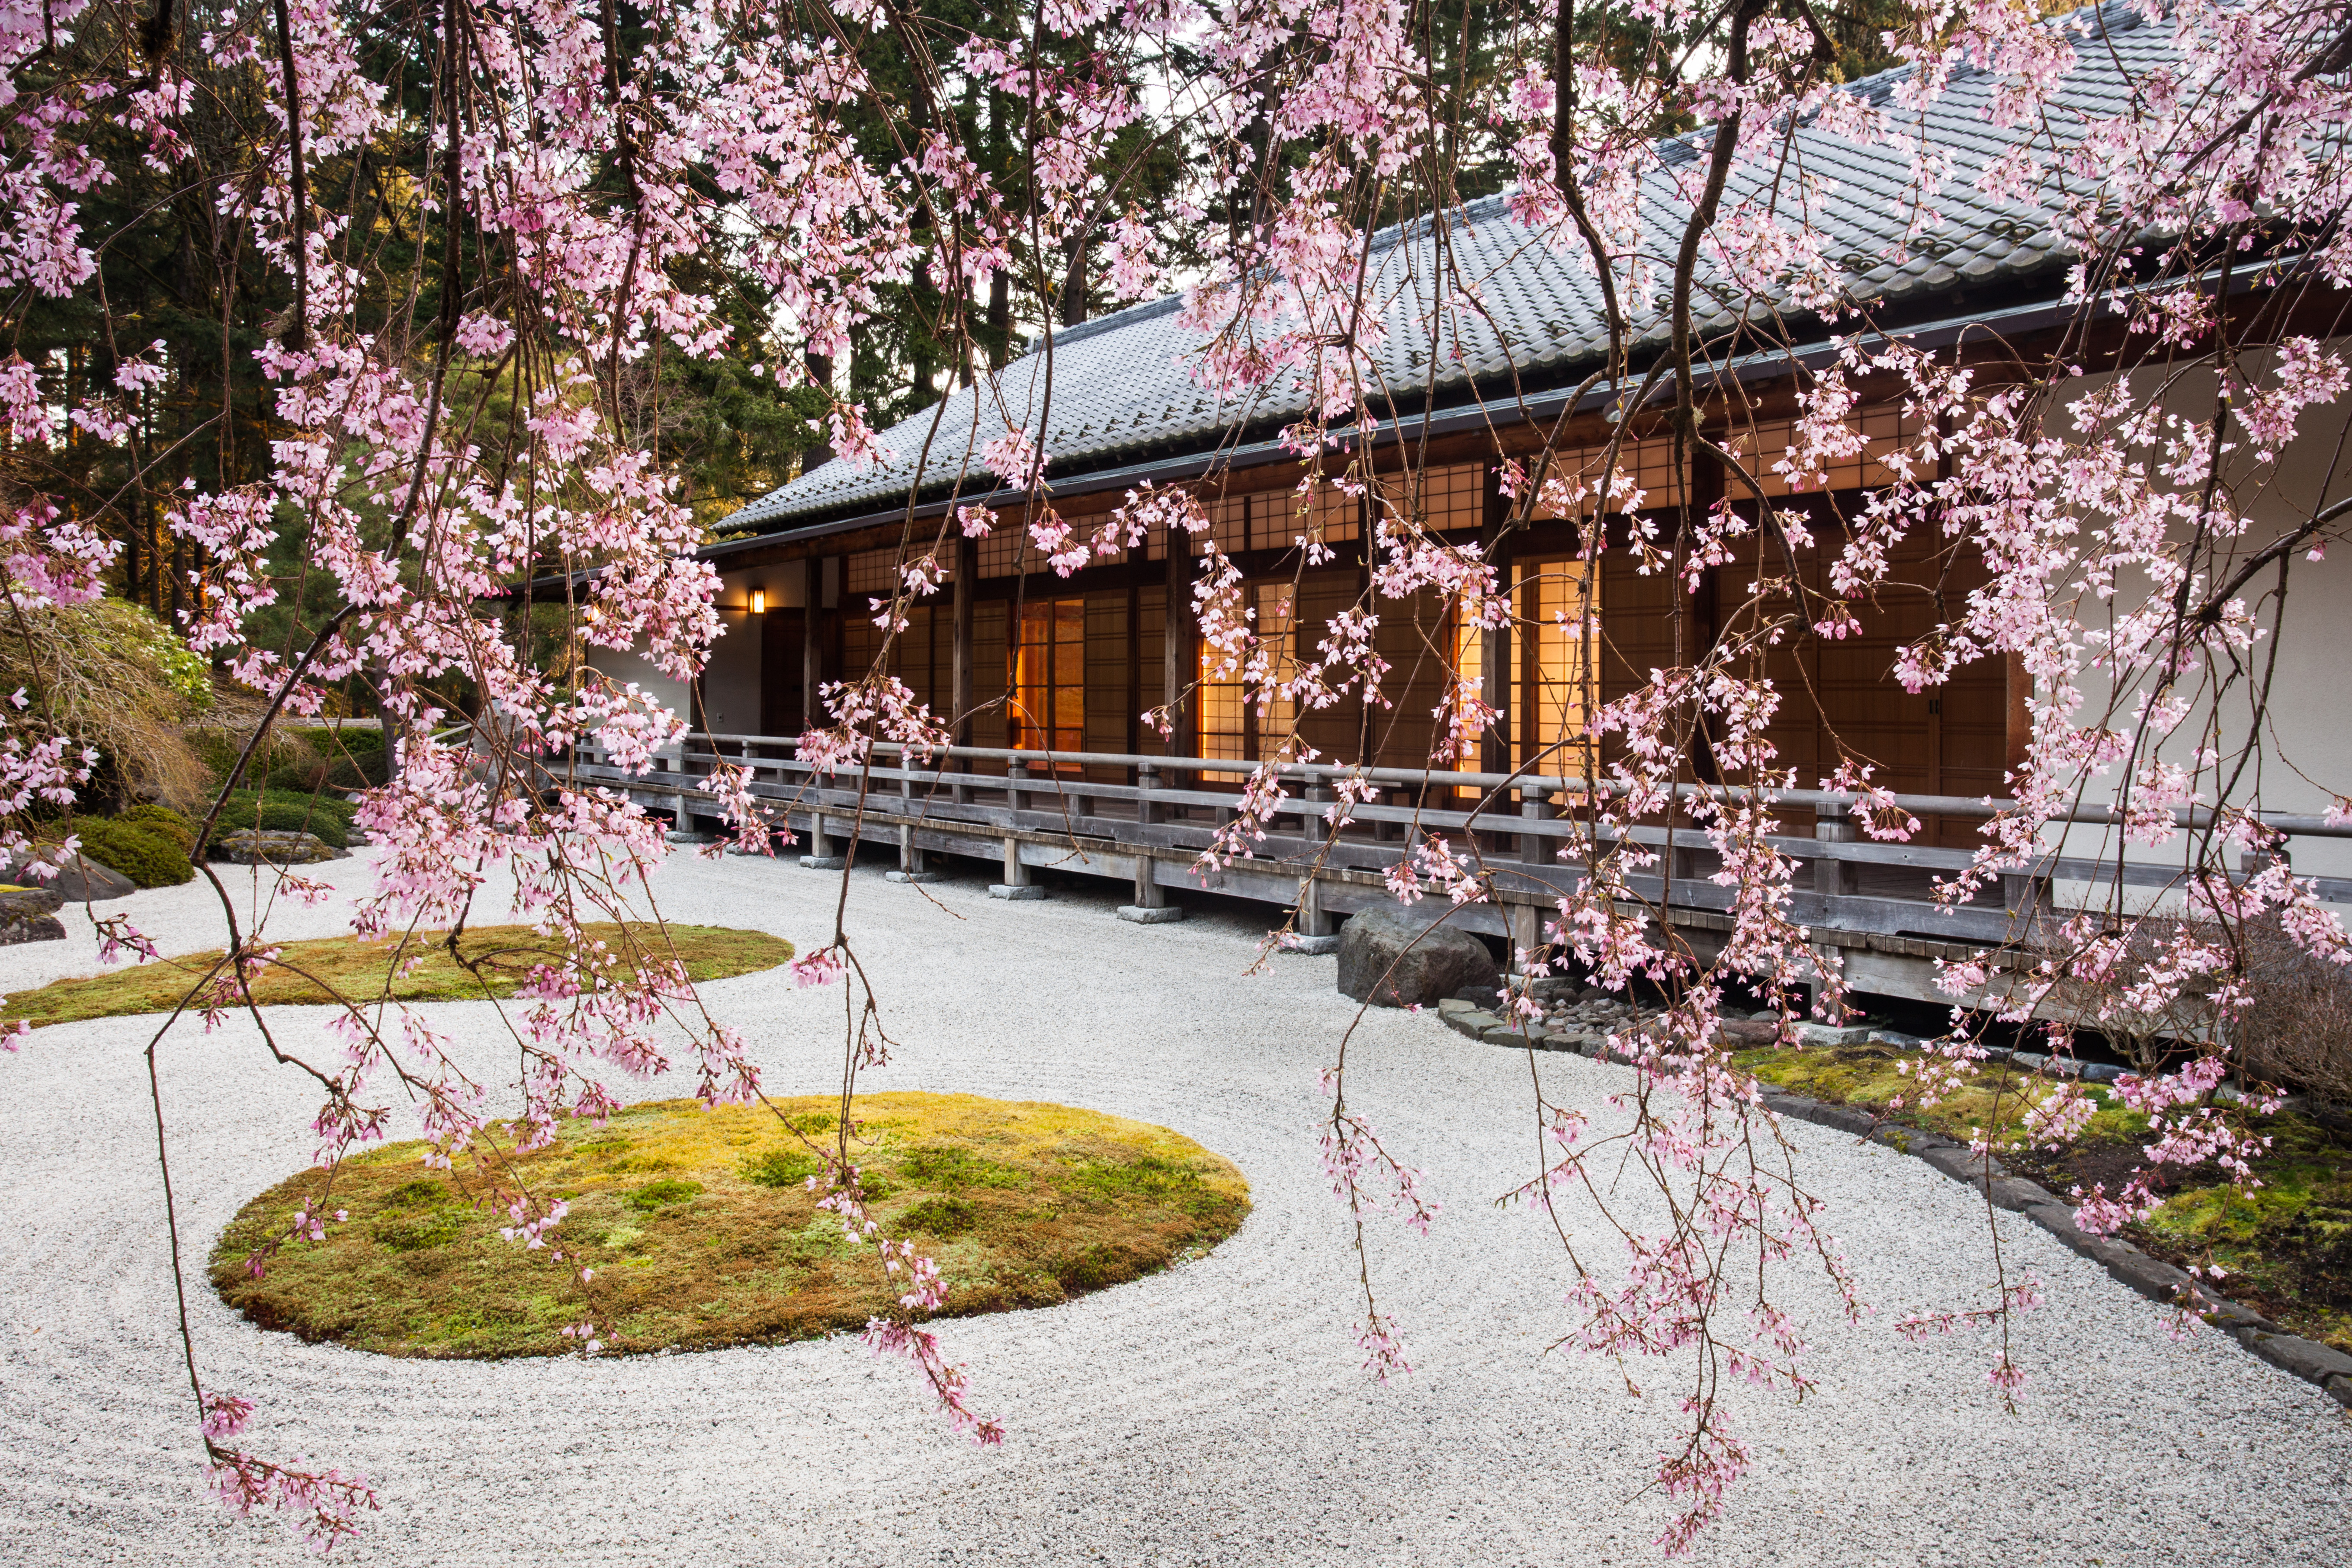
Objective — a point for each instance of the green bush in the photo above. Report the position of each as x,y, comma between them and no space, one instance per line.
163,820
135,849
299,761
353,756
283,811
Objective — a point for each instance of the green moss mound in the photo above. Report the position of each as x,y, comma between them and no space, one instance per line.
146,853
700,1231
490,961
161,820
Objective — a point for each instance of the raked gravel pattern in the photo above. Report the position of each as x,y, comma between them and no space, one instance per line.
1211,1414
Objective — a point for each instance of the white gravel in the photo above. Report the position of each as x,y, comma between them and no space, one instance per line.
1213,1414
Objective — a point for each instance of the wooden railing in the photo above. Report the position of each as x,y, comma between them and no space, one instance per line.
1150,818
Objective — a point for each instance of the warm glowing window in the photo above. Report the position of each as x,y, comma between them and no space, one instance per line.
1231,725
1555,619
1049,676
1470,667
1558,617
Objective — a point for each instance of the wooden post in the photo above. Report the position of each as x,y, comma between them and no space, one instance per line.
1535,805
1526,920
1181,664
820,856
1017,772
1314,919
910,854
1148,893
966,583
1835,877
812,715
1146,779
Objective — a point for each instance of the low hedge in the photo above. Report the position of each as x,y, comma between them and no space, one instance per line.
140,850
283,811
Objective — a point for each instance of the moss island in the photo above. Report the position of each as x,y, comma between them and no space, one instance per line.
700,1229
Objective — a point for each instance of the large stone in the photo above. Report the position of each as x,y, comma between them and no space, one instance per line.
30,915
262,847
1399,956
78,881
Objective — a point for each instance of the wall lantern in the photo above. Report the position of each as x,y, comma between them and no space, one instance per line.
759,601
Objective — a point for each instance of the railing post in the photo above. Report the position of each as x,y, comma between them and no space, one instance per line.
1016,772
1535,805
1838,879
1527,920
1146,779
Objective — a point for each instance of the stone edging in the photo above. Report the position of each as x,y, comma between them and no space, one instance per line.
2153,1278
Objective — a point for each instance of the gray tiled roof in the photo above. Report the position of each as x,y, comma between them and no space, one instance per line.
1121,386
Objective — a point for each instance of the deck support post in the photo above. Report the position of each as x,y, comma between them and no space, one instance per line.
910,854
1835,879
820,856
1018,883
1317,928
1526,920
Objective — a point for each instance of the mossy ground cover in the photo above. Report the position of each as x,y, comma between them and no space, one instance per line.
2288,1245
503,958
700,1230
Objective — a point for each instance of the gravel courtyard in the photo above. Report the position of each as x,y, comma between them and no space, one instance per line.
1213,1414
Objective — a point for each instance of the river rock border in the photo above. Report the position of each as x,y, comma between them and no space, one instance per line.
2152,1277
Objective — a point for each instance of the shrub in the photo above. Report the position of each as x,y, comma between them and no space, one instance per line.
353,756
113,677
137,850
283,811
2297,1030
163,820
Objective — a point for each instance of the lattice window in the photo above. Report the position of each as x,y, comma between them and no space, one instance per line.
1229,526
1001,551
1448,500
869,571
1277,630
1049,676
1649,464
1556,608
1884,431
1330,514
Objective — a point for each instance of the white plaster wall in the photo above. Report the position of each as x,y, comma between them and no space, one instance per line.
635,668
730,680
2307,750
